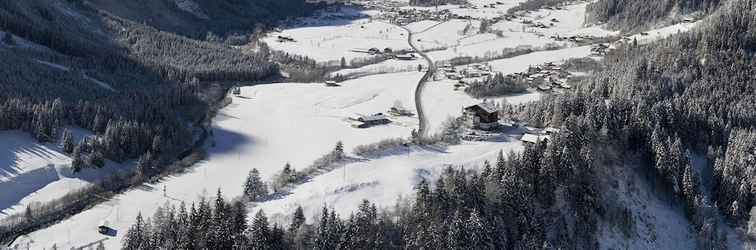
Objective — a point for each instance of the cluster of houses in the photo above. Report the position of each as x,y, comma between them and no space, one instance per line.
532,24
546,77
573,38
466,74
366,121
407,16
390,53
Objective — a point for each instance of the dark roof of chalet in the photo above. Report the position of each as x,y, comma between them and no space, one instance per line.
485,107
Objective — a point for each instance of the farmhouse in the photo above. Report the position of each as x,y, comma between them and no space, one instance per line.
406,57
371,120
331,84
283,39
481,116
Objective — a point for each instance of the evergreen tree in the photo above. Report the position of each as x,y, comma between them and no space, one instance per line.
259,233
457,236
338,151
480,236
68,143
136,236
77,161
297,220
8,39
254,187
96,158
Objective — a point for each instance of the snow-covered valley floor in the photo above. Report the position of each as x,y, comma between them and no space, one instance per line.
270,125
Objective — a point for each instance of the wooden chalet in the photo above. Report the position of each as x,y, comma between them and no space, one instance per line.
481,116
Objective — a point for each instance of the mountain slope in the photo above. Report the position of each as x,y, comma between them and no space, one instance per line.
641,14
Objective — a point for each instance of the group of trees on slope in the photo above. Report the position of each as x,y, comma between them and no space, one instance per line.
633,14
498,85
544,197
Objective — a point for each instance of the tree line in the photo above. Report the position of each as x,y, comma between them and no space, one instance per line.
513,203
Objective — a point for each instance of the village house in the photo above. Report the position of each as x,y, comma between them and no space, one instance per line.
481,116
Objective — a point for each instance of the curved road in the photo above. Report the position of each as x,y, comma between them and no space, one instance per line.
423,130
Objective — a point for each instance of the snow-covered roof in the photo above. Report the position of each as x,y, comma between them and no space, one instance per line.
375,117
531,138
551,130
487,107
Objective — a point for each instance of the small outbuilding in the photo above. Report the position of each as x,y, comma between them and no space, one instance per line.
533,139
331,84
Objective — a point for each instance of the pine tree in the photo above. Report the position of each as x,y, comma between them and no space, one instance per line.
239,224
338,151
8,39
96,158
343,63
456,237
68,143
221,225
136,237
77,163
323,238
297,220
259,232
690,187
479,233
254,187
144,164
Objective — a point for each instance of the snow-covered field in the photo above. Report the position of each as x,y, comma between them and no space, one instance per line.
31,172
331,43
266,127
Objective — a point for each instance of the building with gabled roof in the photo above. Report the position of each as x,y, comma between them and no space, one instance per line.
481,116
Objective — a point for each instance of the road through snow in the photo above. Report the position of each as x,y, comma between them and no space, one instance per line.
423,128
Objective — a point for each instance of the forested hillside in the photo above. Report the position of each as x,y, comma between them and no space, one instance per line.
197,18
123,71
693,93
633,14
104,69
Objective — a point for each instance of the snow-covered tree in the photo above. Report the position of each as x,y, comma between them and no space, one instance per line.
254,188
